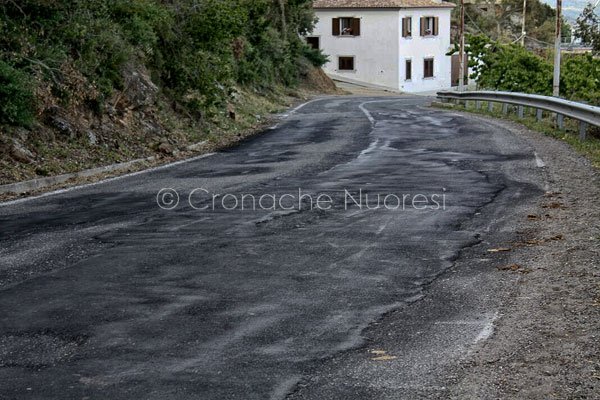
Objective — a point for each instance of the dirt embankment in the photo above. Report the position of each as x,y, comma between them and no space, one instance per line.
136,122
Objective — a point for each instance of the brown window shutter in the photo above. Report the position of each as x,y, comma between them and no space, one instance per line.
436,22
356,26
422,26
335,22
404,28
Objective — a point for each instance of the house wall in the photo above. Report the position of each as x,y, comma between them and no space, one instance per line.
375,50
380,51
418,48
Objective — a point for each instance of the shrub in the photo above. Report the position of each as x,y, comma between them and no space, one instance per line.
16,97
196,51
580,78
315,56
508,67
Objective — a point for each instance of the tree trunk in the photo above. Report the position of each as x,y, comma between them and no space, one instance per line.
283,21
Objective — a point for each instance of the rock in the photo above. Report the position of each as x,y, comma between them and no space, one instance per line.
22,134
140,90
62,125
151,128
20,153
53,110
110,110
235,94
92,138
165,148
196,146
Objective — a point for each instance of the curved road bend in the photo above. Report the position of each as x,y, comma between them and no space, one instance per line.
105,295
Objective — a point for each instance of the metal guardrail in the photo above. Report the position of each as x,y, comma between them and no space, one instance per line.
584,113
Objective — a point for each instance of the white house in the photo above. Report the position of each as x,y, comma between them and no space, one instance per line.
400,44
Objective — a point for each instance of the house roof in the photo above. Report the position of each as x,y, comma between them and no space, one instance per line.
381,4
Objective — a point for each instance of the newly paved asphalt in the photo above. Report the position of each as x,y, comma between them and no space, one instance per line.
104,294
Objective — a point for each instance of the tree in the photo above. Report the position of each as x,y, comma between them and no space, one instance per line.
587,28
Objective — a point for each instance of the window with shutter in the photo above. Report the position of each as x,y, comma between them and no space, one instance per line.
429,26
356,26
428,68
335,23
346,63
346,26
408,68
407,27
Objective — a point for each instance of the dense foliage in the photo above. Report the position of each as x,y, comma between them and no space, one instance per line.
16,99
580,78
510,67
196,50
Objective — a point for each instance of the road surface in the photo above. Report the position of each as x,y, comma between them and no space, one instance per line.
116,290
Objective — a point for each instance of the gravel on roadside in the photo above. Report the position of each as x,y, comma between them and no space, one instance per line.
546,342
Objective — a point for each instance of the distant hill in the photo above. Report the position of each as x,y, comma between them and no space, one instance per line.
571,8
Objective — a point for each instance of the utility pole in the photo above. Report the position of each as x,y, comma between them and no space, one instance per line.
557,40
523,32
461,69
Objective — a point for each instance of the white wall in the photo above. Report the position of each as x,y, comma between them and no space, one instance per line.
380,50
418,48
375,50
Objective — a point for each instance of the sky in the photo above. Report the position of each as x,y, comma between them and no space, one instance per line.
571,8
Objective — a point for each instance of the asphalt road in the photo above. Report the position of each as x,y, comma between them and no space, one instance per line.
104,294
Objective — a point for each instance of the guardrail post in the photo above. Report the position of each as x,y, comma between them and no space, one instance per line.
582,130
478,104
520,111
490,106
560,121
504,108
539,114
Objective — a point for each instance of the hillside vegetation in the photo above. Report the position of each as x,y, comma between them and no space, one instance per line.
512,68
499,61
503,21
90,82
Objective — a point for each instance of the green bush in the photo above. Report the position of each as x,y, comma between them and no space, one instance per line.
512,68
315,56
508,67
580,78
196,51
16,97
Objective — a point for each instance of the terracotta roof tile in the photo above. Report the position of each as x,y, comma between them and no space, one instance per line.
381,4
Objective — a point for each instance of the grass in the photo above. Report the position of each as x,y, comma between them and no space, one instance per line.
589,148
